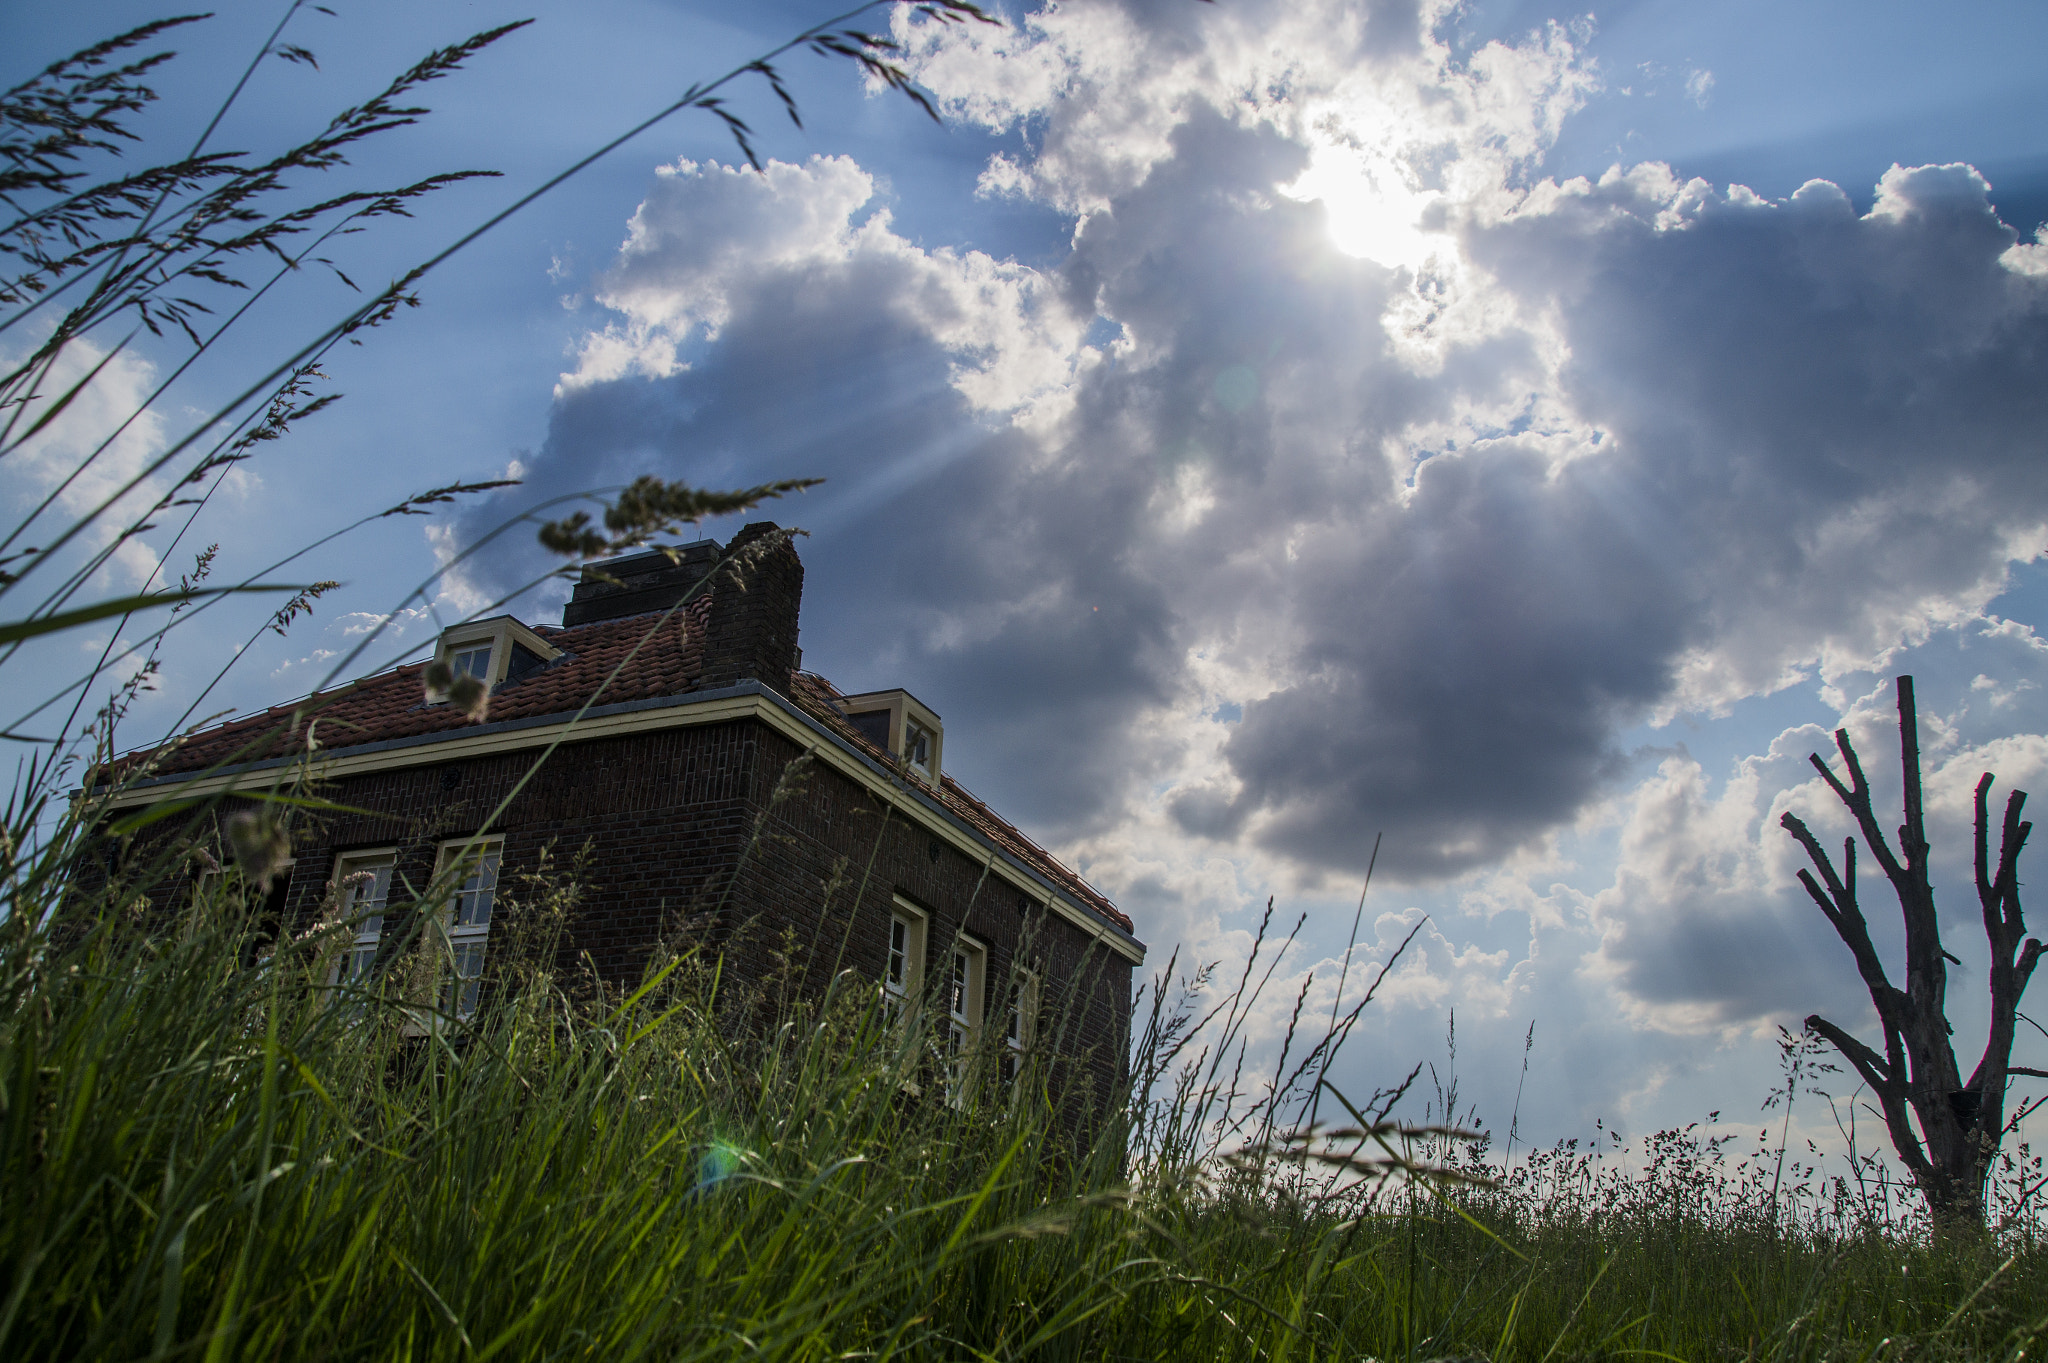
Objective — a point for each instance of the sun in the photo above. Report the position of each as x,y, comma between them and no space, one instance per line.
1374,204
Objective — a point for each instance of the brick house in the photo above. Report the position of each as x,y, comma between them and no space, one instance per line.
869,857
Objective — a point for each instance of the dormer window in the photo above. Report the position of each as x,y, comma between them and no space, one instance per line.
494,651
901,725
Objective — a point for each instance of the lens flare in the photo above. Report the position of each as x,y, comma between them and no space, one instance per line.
721,1160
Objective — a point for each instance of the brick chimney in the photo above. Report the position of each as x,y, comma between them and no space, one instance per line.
649,581
753,627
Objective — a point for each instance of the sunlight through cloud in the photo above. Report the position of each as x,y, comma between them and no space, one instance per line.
1375,207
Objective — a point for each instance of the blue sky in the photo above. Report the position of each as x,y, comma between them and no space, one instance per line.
1257,427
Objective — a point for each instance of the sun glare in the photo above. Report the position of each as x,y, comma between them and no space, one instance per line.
1374,208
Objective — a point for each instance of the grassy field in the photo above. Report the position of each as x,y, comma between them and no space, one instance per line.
205,1160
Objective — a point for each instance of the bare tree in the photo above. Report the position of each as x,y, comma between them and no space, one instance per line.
1960,1124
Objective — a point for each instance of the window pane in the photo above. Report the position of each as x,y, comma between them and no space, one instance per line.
352,971
467,978
479,891
355,967
368,883
473,662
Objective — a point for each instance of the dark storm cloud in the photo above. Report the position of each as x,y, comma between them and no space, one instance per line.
1466,658
1818,429
1838,418
1723,437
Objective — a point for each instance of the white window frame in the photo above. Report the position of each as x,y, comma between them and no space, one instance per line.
473,661
354,903
966,982
466,930
920,745
1020,1024
903,958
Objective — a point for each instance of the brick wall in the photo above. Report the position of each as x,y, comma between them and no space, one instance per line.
695,833
824,820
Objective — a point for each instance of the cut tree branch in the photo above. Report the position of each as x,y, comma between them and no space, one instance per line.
1843,912
1888,1082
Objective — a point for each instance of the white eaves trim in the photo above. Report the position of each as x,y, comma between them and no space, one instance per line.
748,699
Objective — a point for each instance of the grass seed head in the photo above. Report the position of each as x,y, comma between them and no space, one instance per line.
260,845
470,696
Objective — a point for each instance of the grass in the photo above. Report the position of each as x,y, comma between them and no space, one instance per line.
204,1160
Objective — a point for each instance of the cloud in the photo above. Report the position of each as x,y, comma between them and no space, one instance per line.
1338,415
1704,926
709,240
1822,419
700,232
65,464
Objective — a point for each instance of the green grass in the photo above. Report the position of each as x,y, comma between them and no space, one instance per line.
200,1160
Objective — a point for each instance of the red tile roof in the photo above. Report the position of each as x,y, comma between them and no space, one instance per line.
393,705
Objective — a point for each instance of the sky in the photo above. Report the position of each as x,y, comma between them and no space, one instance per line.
1512,434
